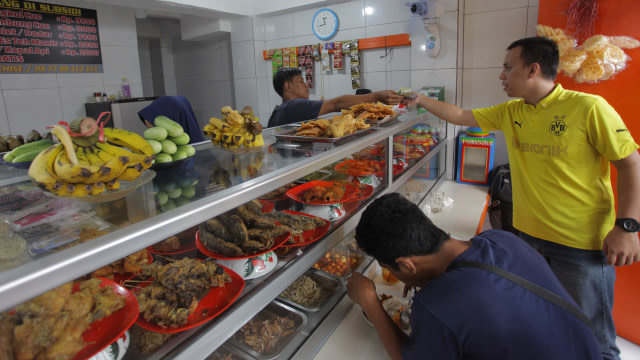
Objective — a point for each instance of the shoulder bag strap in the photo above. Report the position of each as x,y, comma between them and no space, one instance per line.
534,288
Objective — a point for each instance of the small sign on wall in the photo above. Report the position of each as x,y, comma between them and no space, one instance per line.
47,38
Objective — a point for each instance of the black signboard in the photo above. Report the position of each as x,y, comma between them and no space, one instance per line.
48,38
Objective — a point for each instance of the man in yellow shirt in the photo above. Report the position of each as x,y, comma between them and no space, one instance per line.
560,143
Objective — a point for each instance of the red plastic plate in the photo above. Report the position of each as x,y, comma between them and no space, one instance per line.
210,306
277,242
102,333
294,193
309,236
363,192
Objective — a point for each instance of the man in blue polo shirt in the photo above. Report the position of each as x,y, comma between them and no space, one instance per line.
463,312
296,106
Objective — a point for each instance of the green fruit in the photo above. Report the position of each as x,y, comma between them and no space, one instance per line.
169,205
190,150
188,192
155,145
163,158
162,197
8,157
39,145
175,193
182,201
181,140
169,147
27,156
168,186
179,155
156,133
173,128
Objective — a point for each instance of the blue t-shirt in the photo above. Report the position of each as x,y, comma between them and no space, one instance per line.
470,313
295,110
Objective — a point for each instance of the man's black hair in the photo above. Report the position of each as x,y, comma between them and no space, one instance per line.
541,50
282,76
393,227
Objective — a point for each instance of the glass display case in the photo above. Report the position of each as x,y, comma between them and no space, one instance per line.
163,215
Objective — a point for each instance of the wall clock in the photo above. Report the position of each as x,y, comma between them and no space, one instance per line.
325,24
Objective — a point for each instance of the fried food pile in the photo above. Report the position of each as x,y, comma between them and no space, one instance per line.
241,231
277,193
176,289
321,194
306,292
297,224
50,326
338,126
175,242
263,333
370,111
360,167
146,341
131,264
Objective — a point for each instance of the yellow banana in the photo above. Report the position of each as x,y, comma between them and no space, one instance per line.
74,173
130,140
216,135
217,123
64,137
227,137
259,141
97,188
93,155
131,172
116,151
208,129
232,116
80,190
238,139
249,140
41,169
112,185
80,154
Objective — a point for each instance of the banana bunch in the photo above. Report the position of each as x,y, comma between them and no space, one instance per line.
83,166
235,129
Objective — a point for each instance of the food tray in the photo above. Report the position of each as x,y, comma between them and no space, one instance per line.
126,188
384,120
270,312
290,135
225,352
328,285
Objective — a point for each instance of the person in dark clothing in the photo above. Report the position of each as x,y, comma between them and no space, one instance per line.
176,108
296,106
464,312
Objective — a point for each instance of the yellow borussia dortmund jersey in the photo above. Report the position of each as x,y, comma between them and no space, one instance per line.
559,152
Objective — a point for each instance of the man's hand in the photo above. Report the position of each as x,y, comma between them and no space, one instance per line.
621,247
389,97
361,289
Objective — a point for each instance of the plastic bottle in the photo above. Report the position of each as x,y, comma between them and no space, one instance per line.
126,89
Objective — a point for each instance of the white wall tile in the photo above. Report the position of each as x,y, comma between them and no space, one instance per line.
535,3
116,24
487,35
305,40
279,43
244,62
481,88
349,34
242,29
28,81
68,80
261,69
226,70
24,116
246,93
263,87
258,28
340,84
278,27
350,14
385,12
119,62
372,60
532,21
387,29
399,58
214,91
73,100
398,79
479,6
374,80
302,22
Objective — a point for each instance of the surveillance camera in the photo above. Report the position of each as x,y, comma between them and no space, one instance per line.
418,8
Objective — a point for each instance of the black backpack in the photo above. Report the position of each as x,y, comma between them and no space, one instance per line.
501,207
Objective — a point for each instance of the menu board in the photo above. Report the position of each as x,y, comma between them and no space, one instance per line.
47,38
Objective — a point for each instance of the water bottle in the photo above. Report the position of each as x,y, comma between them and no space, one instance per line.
126,89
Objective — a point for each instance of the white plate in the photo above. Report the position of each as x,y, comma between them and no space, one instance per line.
254,267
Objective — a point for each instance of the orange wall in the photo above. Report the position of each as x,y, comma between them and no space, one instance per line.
619,17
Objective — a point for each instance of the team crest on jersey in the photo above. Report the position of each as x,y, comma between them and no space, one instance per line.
557,127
